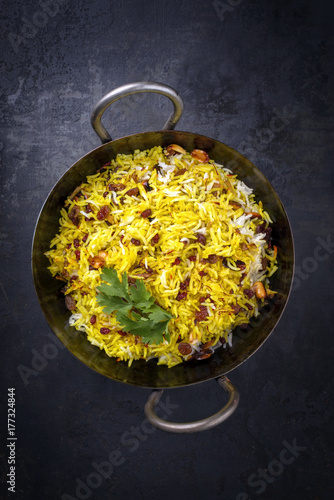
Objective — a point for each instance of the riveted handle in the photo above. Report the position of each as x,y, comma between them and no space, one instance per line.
199,425
135,88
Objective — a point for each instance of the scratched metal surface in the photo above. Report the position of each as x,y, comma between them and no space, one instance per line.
255,75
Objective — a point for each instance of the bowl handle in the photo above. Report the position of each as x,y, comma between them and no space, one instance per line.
200,425
135,88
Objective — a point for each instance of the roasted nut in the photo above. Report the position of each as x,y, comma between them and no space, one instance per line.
200,155
254,215
96,261
103,254
259,290
172,149
234,204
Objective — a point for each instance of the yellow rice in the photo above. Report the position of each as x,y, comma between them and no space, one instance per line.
183,207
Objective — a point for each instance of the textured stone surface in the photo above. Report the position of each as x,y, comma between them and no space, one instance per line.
256,75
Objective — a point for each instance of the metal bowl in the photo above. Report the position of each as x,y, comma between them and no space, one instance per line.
149,374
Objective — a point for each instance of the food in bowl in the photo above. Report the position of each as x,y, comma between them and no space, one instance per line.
163,252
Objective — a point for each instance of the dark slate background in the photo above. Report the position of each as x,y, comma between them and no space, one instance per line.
238,64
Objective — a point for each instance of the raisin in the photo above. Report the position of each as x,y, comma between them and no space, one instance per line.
155,239
70,303
201,239
146,213
264,262
76,242
202,314
184,285
74,215
93,319
268,236
120,332
236,309
184,348
146,186
181,296
202,273
249,293
240,264
104,331
116,187
203,299
135,242
157,168
103,212
84,238
77,254
132,192
243,276
180,172
192,258
213,259
260,228
176,261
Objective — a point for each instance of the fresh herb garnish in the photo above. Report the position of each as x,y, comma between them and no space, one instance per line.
135,309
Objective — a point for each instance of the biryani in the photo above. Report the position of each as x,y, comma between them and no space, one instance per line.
177,244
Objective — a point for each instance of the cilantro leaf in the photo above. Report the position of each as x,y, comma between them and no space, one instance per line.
140,296
125,282
157,314
135,307
136,327
117,288
148,330
156,333
112,303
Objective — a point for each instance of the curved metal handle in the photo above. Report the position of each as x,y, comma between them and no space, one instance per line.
135,88
200,425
